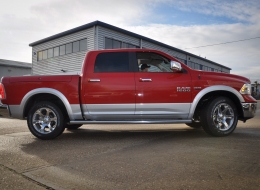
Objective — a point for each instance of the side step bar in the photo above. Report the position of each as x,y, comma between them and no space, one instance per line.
130,122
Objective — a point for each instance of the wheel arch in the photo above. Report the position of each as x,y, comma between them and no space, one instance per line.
46,94
216,91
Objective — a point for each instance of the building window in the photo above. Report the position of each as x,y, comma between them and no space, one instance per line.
212,69
68,48
39,55
44,54
83,44
62,50
181,60
56,51
127,45
76,46
116,44
50,53
108,43
201,67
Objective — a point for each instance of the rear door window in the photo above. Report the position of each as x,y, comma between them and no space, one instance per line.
112,62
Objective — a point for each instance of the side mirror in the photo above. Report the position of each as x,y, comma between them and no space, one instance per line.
175,66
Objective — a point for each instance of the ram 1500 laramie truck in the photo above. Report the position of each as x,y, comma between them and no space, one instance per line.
113,88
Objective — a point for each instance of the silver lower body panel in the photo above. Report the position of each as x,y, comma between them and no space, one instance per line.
147,111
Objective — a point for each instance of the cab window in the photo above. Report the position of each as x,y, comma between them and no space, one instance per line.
152,62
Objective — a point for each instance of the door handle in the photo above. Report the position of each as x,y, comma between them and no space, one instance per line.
145,80
93,80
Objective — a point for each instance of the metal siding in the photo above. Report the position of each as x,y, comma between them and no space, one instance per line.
104,32
69,62
13,71
166,50
208,64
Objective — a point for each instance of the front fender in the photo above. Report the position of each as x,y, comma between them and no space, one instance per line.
212,89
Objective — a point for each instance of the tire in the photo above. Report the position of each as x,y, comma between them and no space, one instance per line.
195,125
45,120
73,127
219,117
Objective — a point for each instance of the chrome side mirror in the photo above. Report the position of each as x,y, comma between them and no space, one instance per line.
175,66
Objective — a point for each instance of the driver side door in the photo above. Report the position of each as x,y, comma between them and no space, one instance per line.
156,90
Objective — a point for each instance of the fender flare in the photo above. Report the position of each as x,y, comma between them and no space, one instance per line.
47,91
211,89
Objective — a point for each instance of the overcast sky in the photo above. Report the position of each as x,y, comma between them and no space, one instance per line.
181,24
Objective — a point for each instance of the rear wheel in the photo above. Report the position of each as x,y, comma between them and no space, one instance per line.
219,117
45,120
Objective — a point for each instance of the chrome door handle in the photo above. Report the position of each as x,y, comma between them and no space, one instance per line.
145,80
93,80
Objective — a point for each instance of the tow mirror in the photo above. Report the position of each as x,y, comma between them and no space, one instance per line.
175,66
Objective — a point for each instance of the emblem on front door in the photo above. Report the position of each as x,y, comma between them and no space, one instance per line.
183,89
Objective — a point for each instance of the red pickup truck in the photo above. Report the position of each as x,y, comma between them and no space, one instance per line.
129,86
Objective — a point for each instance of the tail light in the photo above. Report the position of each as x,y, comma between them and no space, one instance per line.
2,92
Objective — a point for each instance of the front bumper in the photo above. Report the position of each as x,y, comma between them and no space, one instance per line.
249,109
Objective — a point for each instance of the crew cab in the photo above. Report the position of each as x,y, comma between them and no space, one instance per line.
112,88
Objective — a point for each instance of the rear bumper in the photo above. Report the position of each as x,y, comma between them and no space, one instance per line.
249,109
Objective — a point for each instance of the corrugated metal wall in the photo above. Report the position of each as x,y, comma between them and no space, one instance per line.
166,50
204,63
13,71
69,62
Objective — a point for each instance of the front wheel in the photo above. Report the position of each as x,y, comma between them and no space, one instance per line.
220,117
45,120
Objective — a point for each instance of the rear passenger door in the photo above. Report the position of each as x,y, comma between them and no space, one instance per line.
110,89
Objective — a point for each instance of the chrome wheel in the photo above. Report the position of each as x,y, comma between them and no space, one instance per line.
223,117
44,120
219,117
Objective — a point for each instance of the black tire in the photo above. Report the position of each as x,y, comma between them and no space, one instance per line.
50,120
195,125
219,117
73,127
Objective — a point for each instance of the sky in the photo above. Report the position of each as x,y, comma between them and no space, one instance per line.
186,25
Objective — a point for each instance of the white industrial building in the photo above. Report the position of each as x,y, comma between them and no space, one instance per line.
14,68
64,52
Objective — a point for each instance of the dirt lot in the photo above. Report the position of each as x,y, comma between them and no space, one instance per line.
129,157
